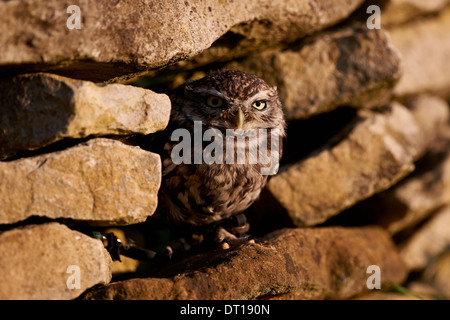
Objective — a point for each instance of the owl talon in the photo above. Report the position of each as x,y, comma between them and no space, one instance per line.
227,239
225,245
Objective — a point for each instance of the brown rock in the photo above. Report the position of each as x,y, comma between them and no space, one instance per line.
432,239
120,38
400,11
426,291
39,109
36,263
353,66
103,182
311,263
414,199
427,188
395,12
379,150
425,49
438,274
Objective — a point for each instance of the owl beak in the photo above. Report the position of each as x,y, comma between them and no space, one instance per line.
239,119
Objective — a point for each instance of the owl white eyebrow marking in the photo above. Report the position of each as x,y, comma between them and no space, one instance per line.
263,95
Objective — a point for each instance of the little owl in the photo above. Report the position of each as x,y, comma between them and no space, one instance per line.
203,193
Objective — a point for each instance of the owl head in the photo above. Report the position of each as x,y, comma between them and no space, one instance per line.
230,99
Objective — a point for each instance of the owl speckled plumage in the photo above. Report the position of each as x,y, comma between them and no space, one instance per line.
200,194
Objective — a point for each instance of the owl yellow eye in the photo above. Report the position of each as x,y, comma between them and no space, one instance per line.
259,105
214,102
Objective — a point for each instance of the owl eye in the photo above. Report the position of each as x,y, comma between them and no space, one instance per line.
214,102
259,105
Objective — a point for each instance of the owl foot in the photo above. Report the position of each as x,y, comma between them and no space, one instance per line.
226,239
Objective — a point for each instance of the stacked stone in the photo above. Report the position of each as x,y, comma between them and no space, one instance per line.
379,96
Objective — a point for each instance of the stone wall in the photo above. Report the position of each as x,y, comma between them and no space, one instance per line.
365,175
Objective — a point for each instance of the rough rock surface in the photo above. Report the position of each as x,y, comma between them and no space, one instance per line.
396,12
427,188
39,109
425,49
35,34
428,242
438,274
379,150
41,270
311,263
317,76
101,181
413,200
400,11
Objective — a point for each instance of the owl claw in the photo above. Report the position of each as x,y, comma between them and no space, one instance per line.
224,245
227,240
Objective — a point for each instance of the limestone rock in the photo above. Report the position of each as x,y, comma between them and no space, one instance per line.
353,66
39,109
310,263
116,38
425,49
103,182
379,150
43,261
396,12
427,188
432,239
438,274
414,199
400,11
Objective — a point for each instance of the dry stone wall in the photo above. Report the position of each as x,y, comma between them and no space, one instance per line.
364,179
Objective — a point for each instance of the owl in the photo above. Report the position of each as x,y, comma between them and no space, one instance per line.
228,104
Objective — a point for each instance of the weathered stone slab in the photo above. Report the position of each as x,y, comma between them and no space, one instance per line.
425,49
102,182
401,11
432,239
396,12
424,191
39,109
353,66
379,150
310,263
116,38
43,262
437,274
